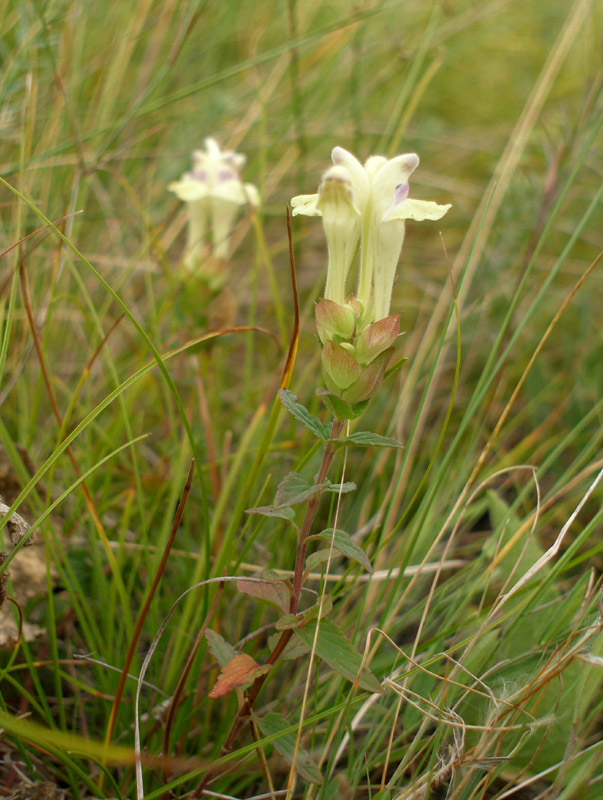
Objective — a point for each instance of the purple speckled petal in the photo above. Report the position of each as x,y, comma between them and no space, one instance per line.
198,175
401,193
225,175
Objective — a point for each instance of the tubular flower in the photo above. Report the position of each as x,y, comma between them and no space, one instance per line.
367,203
214,192
341,222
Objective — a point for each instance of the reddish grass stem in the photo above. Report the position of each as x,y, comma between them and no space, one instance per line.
147,603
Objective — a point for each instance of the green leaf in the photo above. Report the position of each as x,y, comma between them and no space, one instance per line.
517,556
316,559
323,609
288,621
340,488
219,648
395,367
271,724
339,653
358,409
301,413
294,489
339,408
294,648
344,543
367,439
285,513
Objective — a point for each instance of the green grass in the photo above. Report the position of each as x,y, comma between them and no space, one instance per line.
492,684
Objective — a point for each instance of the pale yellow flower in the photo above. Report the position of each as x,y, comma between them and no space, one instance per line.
369,202
214,192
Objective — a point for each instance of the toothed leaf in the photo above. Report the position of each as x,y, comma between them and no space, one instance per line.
339,653
294,489
301,413
344,544
288,514
239,671
367,439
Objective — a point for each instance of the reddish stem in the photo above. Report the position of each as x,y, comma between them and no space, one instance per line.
300,559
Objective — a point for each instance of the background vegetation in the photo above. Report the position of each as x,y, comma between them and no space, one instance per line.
492,682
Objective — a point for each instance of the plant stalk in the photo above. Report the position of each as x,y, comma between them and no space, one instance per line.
300,558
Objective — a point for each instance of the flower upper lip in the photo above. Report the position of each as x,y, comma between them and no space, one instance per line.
378,192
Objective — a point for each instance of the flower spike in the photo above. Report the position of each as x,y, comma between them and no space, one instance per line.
368,203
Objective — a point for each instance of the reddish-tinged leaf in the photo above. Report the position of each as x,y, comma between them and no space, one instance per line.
333,320
368,380
273,592
240,671
340,368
